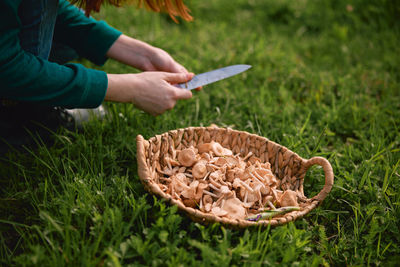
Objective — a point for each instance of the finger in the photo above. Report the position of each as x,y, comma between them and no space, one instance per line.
182,93
183,69
178,77
178,68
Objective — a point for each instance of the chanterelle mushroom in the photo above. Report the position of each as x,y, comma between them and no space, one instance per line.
187,157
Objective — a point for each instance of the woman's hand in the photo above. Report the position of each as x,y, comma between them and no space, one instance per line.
143,56
159,60
152,92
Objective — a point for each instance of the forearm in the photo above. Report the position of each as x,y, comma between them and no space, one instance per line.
132,52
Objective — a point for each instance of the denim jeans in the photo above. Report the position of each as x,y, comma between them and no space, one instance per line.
38,19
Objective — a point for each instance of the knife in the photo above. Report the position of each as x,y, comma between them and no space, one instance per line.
213,76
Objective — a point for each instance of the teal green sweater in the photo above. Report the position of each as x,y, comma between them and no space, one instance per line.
25,77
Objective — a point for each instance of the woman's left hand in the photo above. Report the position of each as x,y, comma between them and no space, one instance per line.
159,60
143,56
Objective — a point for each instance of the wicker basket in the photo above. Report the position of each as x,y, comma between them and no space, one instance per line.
287,166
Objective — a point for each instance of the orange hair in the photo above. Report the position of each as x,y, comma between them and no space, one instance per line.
173,7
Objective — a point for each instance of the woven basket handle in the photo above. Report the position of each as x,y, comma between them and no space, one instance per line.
328,176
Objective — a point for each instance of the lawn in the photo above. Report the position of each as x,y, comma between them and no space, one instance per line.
325,82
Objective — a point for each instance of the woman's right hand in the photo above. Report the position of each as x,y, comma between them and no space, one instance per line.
153,92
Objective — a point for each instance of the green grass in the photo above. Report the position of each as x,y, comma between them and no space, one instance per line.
325,82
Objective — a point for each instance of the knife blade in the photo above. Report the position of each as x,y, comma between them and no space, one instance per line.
213,76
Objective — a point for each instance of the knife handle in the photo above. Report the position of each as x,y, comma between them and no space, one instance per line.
182,86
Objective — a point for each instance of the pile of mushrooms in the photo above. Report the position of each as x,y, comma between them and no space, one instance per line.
209,177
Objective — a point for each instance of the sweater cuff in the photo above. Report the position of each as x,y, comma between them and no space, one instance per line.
96,89
100,39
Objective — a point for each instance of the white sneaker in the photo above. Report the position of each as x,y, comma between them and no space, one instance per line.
82,115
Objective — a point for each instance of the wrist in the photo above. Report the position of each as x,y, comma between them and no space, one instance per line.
131,52
120,87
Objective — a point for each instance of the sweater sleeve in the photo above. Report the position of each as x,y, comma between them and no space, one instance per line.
90,38
25,77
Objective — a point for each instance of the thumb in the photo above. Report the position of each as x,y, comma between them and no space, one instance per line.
178,77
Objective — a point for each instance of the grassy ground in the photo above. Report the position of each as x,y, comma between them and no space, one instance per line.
325,82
